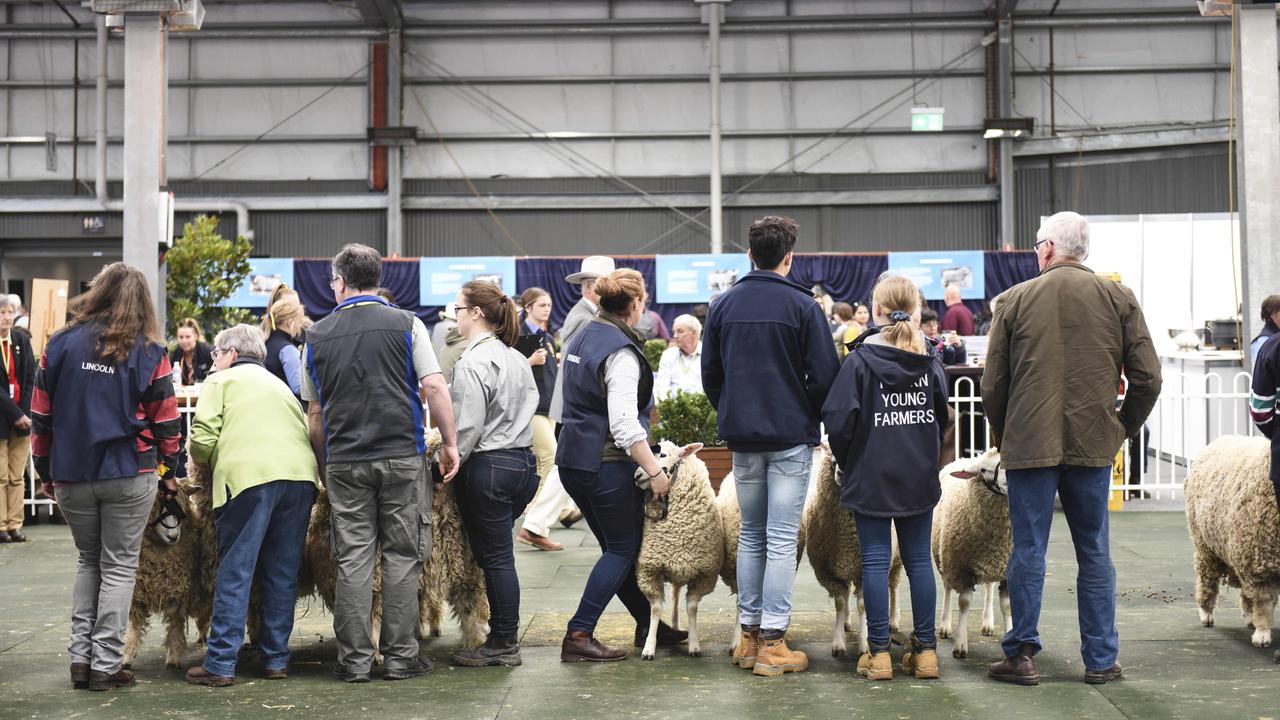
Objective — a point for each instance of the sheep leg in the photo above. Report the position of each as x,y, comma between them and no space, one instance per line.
737,634
988,609
133,636
655,616
842,619
1005,609
1264,608
864,645
691,609
960,649
675,607
175,638
1209,571
895,610
944,624
375,629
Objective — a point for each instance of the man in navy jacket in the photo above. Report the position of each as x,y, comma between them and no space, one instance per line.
767,364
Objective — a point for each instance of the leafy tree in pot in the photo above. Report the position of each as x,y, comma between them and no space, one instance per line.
204,270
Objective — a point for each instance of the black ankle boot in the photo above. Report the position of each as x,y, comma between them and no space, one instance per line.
496,650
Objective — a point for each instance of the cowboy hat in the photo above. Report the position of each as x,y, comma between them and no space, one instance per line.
596,266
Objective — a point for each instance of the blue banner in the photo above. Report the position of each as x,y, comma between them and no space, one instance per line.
441,278
697,278
933,271
265,275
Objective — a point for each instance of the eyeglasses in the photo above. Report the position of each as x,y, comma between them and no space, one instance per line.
334,280
220,351
1036,245
456,308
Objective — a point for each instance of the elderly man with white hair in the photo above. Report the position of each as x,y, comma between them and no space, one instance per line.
1062,339
680,368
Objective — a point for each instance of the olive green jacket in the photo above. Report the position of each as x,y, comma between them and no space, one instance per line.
1058,343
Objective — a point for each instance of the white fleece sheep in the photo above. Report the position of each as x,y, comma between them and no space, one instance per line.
684,549
167,581
971,541
836,557
1235,529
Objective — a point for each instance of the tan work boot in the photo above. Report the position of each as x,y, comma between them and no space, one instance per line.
775,658
744,656
876,665
920,661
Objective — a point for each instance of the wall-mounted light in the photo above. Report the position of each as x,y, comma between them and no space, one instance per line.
996,128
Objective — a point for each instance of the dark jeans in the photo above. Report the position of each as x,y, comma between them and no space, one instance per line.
493,489
1084,492
614,510
875,535
261,532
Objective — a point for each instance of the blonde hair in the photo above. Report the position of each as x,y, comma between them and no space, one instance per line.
619,288
193,325
282,312
897,293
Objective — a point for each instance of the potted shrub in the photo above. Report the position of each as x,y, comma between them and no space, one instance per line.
687,418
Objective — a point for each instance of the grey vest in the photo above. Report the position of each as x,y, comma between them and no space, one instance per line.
360,360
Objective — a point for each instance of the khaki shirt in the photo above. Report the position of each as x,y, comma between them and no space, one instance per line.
1057,345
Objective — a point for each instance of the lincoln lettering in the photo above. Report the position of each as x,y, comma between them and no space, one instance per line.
95,367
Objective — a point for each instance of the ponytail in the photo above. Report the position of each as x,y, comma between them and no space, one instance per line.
897,299
498,309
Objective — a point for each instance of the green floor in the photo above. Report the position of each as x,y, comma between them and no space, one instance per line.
1173,667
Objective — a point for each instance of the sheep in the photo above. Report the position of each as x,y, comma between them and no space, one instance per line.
167,580
836,558
683,549
1235,529
971,541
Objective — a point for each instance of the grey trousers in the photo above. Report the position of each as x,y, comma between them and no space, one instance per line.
379,504
107,519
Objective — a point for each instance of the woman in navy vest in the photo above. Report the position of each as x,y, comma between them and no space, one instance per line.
105,429
608,397
280,325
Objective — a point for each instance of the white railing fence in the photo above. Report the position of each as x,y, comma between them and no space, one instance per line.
1192,411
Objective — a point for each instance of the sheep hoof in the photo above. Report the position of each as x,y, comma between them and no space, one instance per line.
1262,638
1207,623
646,655
944,633
695,652
959,653
837,652
988,630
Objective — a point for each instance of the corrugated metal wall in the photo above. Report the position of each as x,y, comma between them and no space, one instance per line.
1189,179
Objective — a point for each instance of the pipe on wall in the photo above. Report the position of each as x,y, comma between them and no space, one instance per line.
100,112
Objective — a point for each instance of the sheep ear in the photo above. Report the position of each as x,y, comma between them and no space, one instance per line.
690,449
963,475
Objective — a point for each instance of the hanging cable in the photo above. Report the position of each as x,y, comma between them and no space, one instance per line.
287,118
1231,187
488,208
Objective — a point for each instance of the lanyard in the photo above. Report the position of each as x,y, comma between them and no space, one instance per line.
685,363
7,344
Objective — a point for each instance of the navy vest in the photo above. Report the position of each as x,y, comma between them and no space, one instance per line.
585,438
277,341
360,360
95,406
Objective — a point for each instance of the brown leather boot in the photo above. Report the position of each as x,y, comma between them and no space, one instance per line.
580,646
775,658
744,656
1019,669
876,664
1102,677
80,676
197,675
100,681
920,661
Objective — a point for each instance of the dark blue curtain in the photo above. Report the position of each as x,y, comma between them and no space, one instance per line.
847,278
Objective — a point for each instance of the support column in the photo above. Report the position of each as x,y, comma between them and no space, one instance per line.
145,80
1258,162
715,13
1008,227
395,153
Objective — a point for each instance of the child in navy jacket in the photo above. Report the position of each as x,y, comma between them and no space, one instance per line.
885,416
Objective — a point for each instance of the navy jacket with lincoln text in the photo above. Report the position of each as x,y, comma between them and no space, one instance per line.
885,416
767,363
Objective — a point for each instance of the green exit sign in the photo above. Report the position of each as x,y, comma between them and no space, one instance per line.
926,119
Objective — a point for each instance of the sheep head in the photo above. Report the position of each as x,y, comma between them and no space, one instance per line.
168,516
987,470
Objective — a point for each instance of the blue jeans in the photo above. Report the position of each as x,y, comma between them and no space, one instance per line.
493,489
613,507
261,532
1084,492
771,490
875,537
